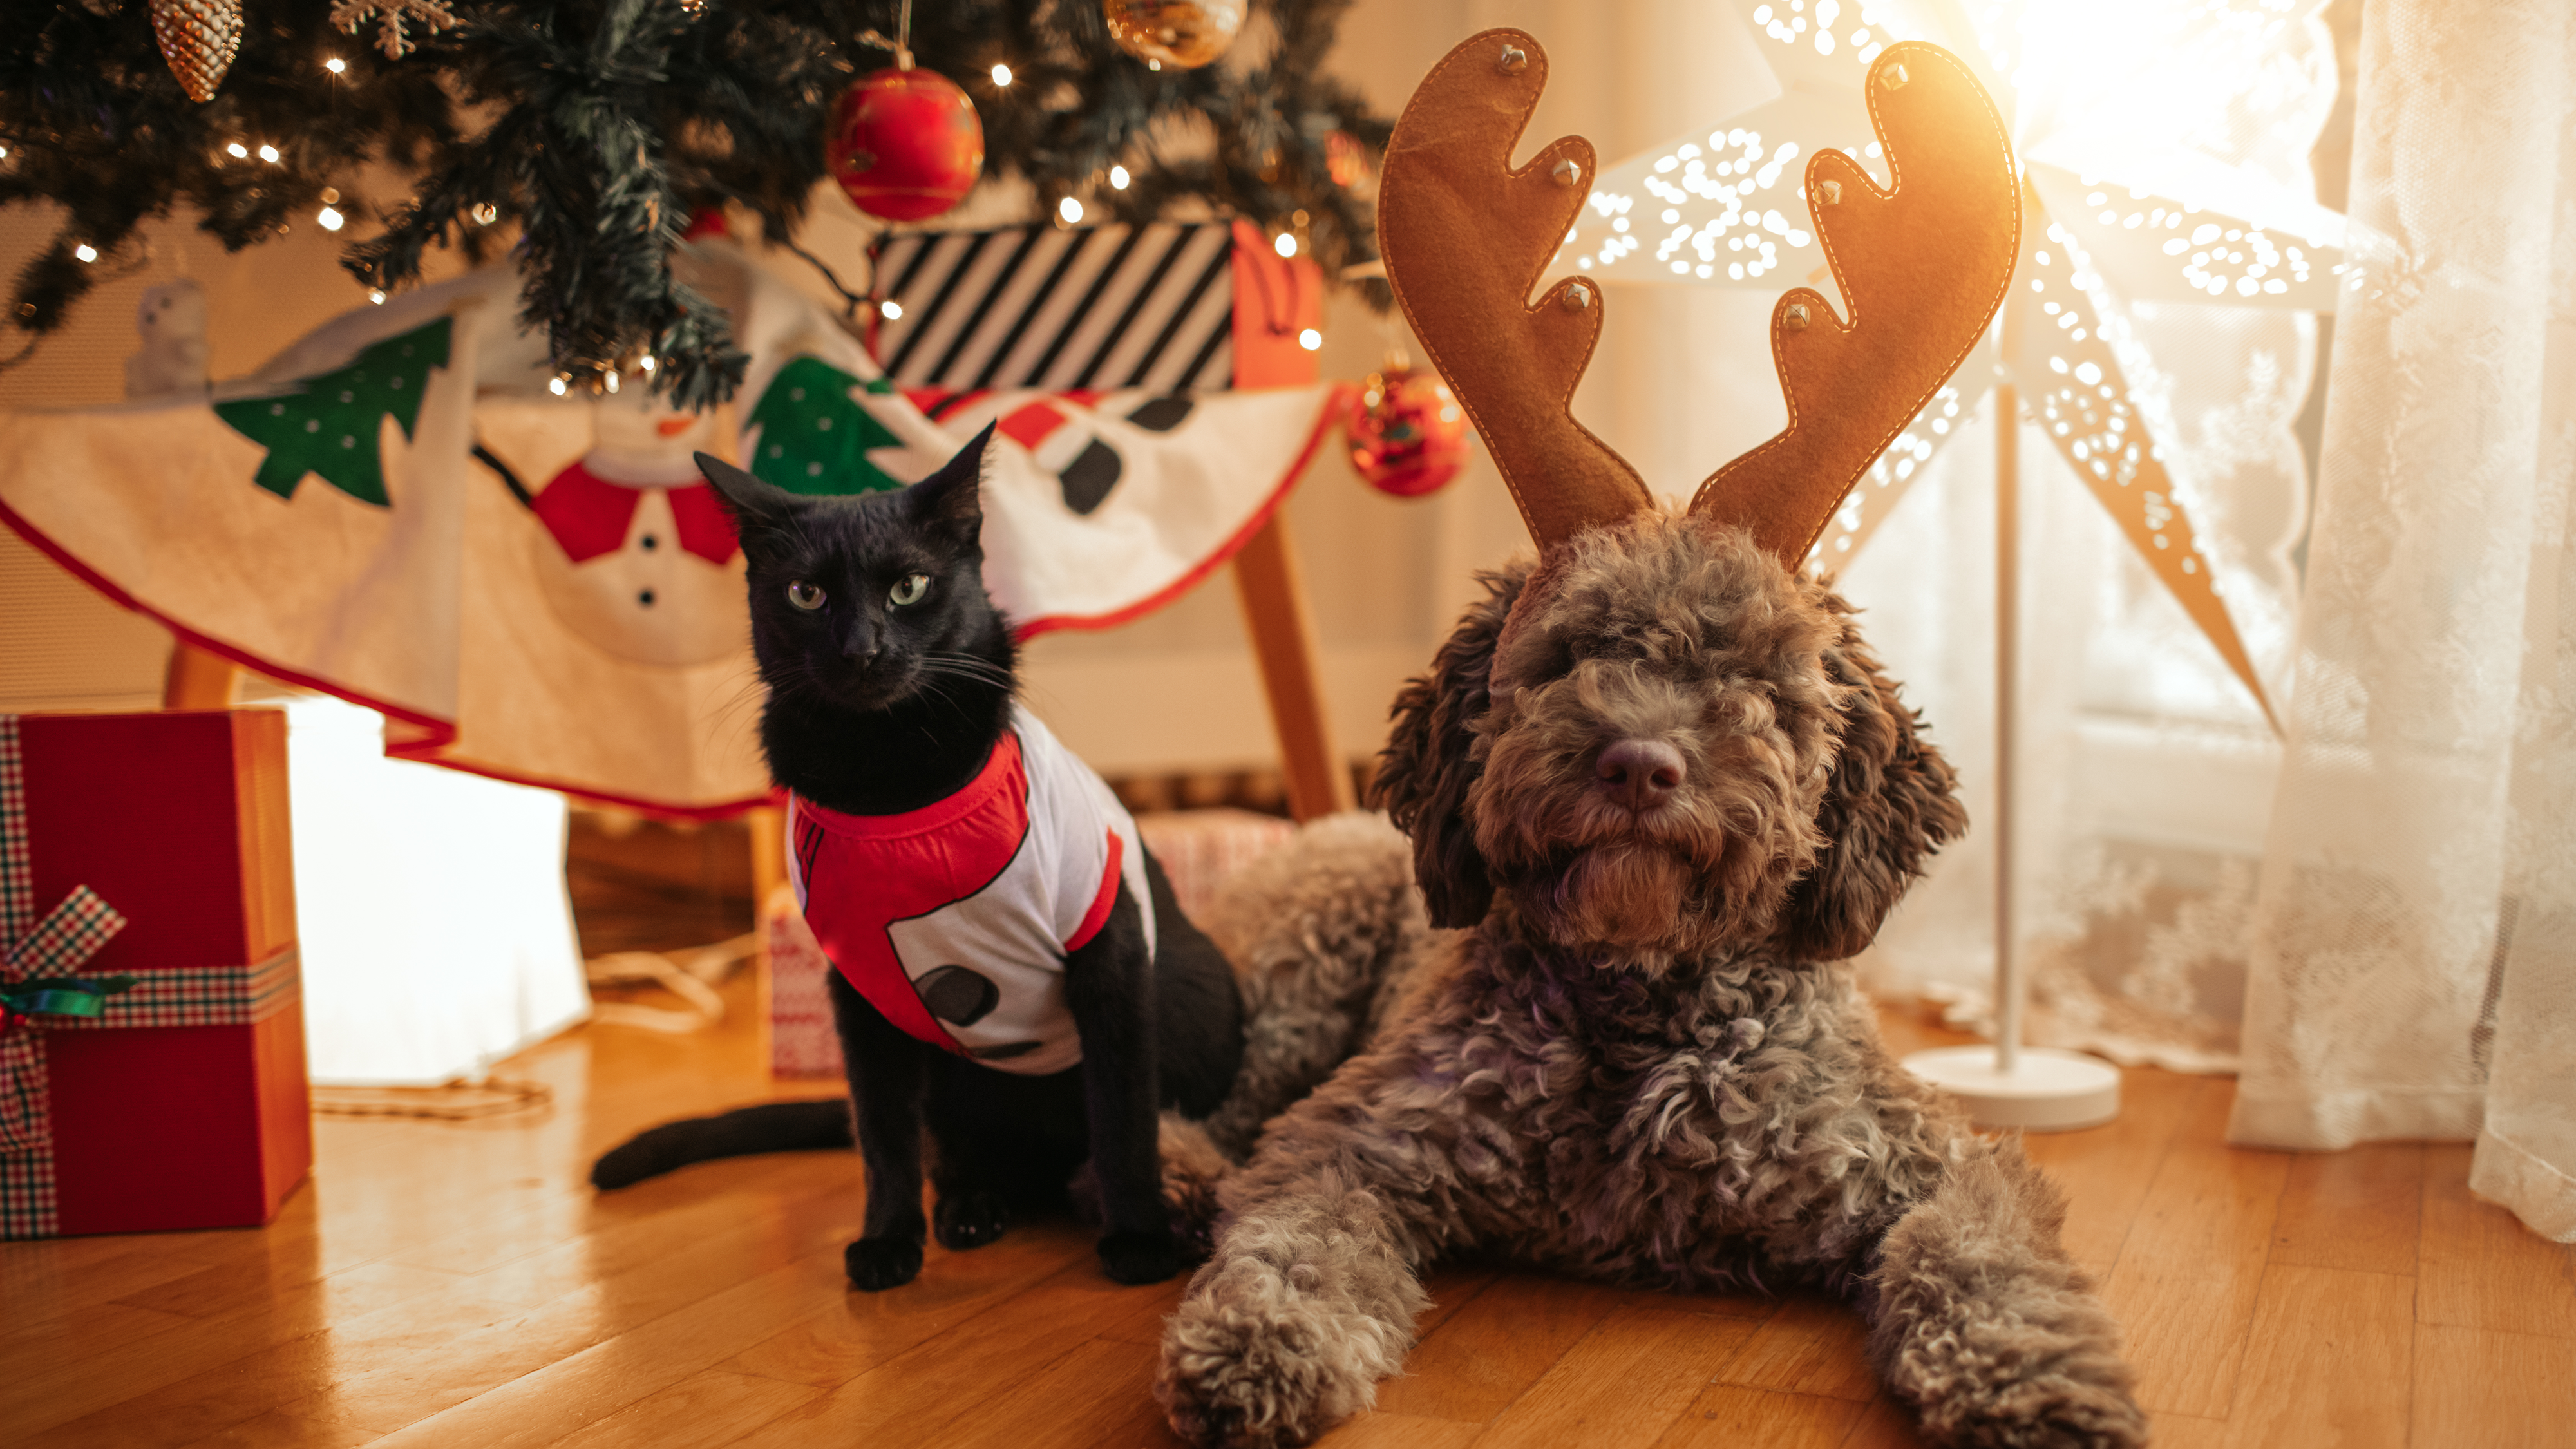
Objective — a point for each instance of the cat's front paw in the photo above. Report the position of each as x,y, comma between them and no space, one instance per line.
875,1264
1141,1257
970,1219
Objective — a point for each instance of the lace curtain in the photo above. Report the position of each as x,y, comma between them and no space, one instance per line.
2414,938
2146,770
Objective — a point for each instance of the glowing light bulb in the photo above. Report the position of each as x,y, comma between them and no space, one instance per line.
608,379
237,151
1311,340
268,154
376,295
1285,246
1001,75
485,213
1070,210
85,252
646,362
1118,177
890,310
330,218
555,385
336,65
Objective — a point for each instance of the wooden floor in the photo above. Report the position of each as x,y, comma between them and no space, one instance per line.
457,1284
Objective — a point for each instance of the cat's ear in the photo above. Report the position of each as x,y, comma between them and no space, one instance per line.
761,511
951,501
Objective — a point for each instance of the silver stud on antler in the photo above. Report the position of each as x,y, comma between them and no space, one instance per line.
1576,298
1568,174
1795,317
1513,61
1830,193
1895,78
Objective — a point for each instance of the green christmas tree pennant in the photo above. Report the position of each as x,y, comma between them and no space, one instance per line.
814,437
330,424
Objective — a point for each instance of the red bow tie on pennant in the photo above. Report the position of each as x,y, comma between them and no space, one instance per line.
36,965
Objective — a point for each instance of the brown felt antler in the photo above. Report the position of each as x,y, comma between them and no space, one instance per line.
1922,267
1465,237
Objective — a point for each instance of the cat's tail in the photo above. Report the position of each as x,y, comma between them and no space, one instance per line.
770,1127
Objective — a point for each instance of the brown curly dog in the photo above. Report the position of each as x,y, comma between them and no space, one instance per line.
1665,802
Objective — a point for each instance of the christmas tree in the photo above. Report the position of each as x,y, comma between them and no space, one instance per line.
330,425
813,436
584,134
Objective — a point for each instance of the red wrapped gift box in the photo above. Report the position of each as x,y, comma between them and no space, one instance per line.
183,1104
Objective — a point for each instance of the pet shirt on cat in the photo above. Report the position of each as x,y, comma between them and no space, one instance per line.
954,919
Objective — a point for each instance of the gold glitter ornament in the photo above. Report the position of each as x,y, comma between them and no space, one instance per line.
1183,33
198,39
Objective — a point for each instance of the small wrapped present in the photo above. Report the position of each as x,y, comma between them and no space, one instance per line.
152,1048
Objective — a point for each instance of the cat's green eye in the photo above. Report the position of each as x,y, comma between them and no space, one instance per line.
804,595
909,591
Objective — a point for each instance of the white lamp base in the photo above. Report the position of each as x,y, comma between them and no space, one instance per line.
2050,1091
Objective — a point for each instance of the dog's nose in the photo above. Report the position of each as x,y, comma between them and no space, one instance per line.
1640,774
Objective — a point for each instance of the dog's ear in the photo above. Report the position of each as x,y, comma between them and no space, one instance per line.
1891,802
1424,772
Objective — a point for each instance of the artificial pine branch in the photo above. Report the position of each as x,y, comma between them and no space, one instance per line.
592,129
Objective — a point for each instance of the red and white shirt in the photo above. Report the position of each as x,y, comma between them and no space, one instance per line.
954,919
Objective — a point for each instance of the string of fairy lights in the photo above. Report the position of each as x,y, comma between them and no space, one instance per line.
1047,80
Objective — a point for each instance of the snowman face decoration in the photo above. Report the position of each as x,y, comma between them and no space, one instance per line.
637,555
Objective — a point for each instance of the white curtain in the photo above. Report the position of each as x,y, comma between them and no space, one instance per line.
2414,964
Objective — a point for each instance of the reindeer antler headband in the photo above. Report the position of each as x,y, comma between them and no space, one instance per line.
1923,267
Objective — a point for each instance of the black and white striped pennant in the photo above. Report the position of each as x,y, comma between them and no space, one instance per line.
1090,308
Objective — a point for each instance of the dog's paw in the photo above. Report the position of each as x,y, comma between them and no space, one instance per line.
1239,1377
879,1263
970,1218
2052,1411
1142,1257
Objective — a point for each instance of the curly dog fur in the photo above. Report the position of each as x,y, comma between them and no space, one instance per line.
1639,1059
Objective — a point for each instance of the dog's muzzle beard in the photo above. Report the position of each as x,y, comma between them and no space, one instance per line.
1637,897
1639,891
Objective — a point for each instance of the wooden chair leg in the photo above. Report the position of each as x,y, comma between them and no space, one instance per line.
1283,641
198,679
768,875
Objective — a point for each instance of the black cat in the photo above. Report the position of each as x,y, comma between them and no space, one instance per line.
890,680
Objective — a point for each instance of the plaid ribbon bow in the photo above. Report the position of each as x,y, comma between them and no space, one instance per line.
36,965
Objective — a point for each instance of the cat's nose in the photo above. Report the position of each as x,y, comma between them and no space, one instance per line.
1640,774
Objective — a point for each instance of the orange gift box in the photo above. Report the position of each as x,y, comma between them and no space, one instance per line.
183,1103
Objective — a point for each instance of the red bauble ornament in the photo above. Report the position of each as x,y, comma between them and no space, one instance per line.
905,144
1406,431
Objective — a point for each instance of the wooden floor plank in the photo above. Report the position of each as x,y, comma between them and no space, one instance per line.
2494,1390
1883,1424
1814,1345
386,1367
2481,1268
1622,1383
910,1398
2105,1171
2186,1280
460,1283
1730,1416
798,1254
1063,1405
36,1345
861,1330
561,1395
278,1429
1398,1431
2360,1209
1497,1344
709,1408
2329,1361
